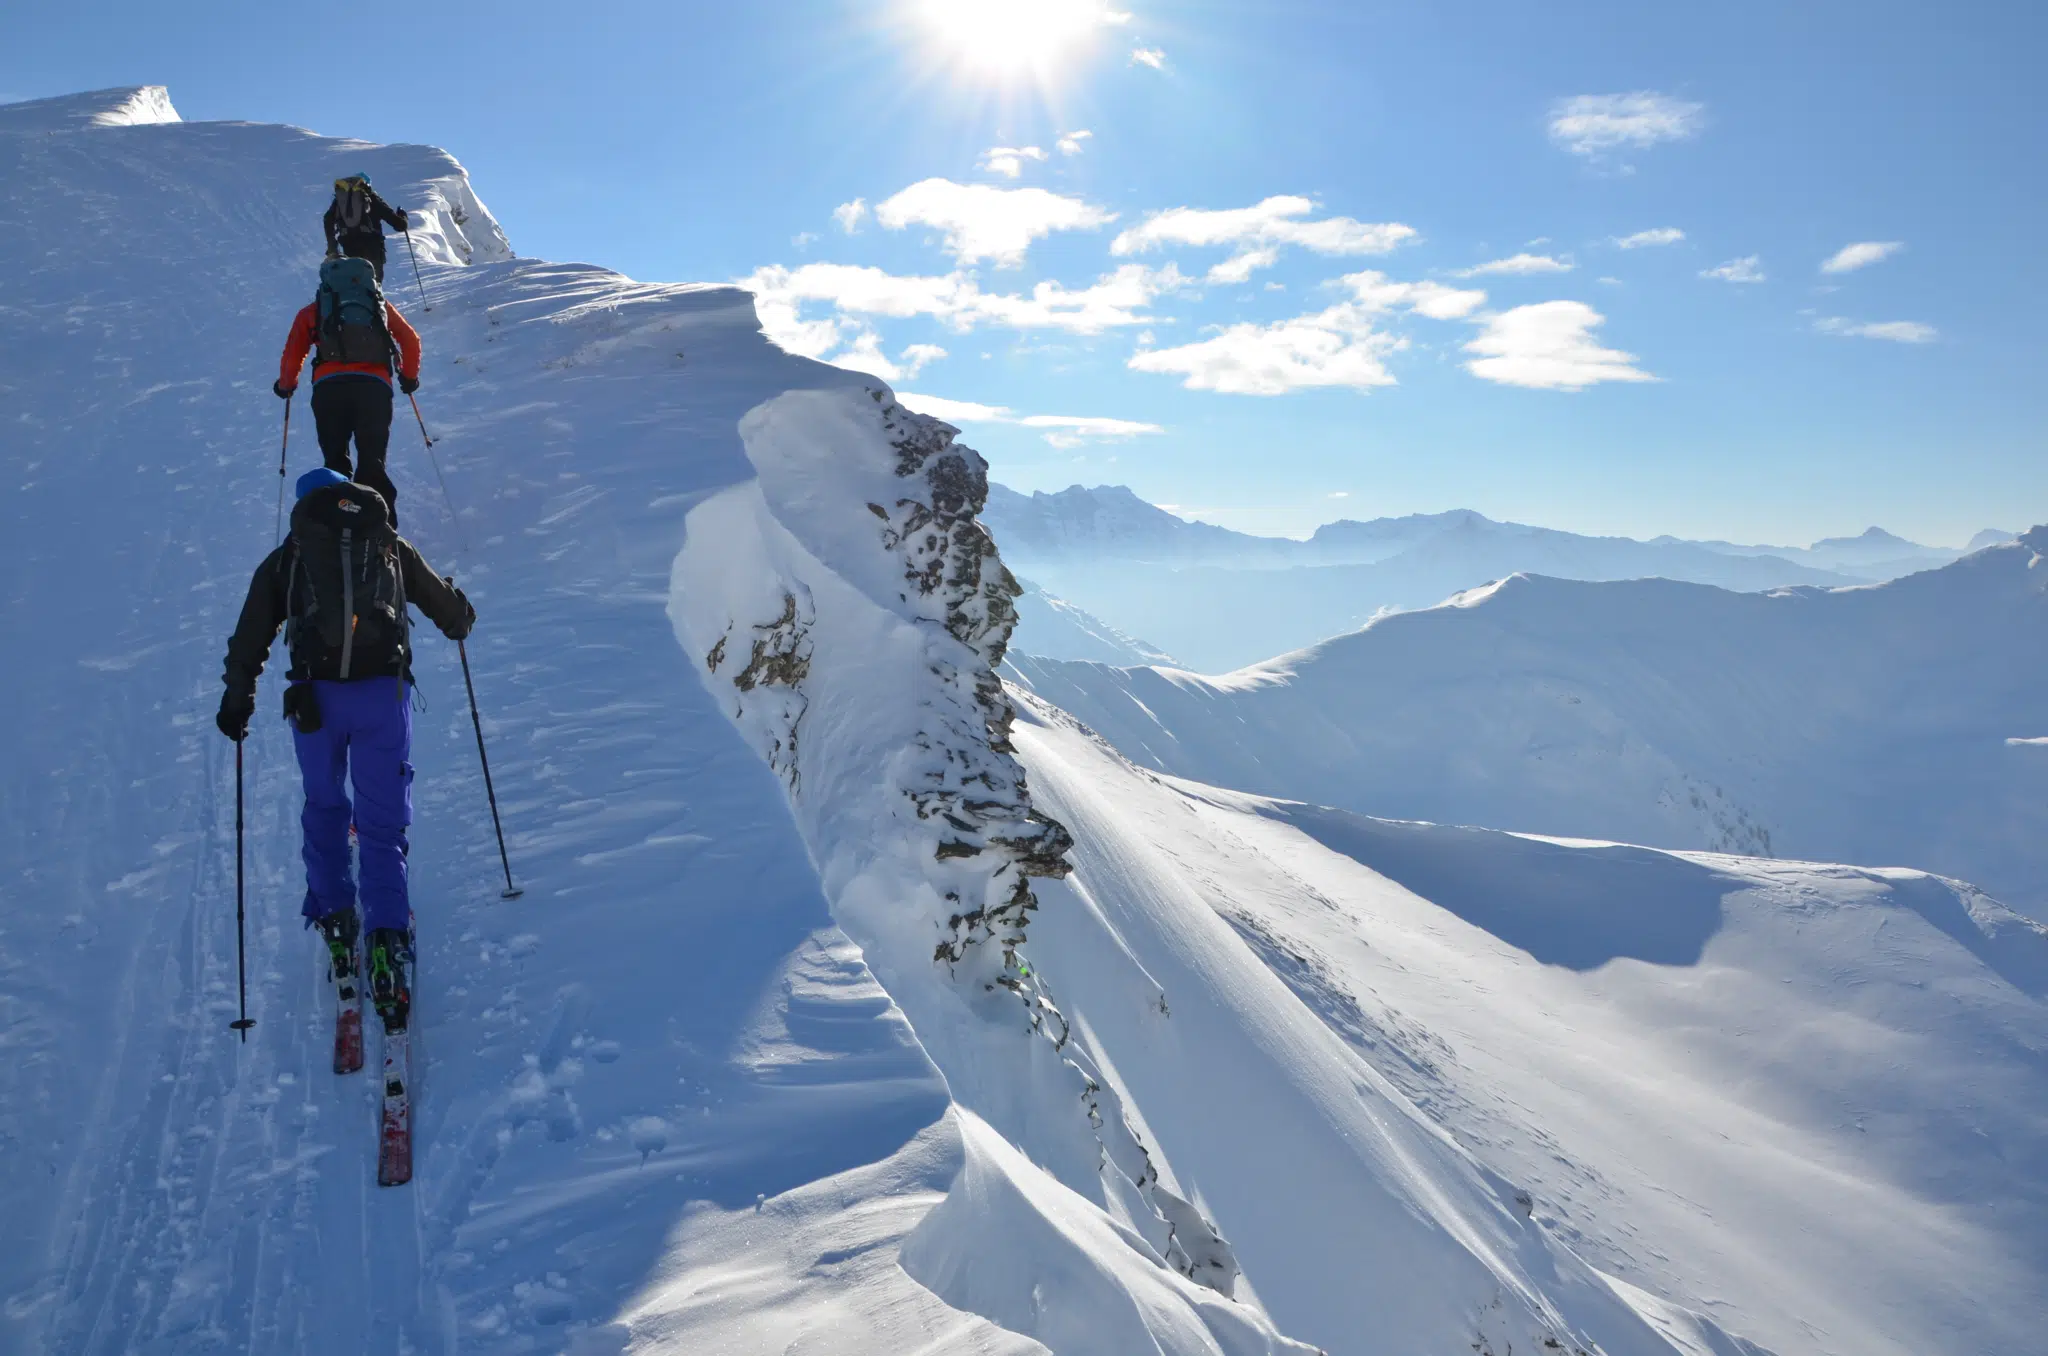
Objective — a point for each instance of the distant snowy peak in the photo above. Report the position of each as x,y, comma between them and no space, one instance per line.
1870,539
122,106
1108,521
1990,536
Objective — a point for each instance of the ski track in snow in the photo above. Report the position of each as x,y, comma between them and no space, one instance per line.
596,1081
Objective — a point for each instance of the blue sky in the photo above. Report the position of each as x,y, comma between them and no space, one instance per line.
1249,291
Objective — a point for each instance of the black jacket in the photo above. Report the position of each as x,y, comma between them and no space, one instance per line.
264,611
373,225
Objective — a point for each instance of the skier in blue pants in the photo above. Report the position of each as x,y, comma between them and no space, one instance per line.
339,585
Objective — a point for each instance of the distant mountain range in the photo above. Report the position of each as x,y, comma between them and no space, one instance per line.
1219,599
1889,724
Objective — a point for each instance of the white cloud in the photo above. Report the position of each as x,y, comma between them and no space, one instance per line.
1376,293
804,238
1897,331
1518,263
865,354
954,411
1862,254
1270,223
1549,346
1338,494
1063,430
1070,142
1661,235
1070,430
956,299
1593,124
981,222
1240,267
1335,347
1748,269
1009,160
917,357
849,214
1112,300
1148,56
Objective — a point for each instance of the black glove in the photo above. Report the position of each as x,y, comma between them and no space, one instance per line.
233,718
403,224
468,622
408,384
282,391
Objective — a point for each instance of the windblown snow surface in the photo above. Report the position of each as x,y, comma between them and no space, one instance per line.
799,1041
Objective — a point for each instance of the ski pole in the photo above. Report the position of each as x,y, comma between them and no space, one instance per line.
460,534
510,891
414,255
241,962
284,446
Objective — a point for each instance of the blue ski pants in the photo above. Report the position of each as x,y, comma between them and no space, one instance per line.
365,737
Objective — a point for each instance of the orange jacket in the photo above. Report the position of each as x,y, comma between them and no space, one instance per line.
304,331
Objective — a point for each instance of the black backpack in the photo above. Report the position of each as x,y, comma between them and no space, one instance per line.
345,611
349,311
352,205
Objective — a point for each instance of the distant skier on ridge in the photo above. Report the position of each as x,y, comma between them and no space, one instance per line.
353,334
356,219
339,586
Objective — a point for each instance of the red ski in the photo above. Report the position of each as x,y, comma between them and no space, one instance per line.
348,1025
394,1138
344,968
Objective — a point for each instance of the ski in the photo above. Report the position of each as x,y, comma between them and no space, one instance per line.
394,1137
390,970
345,970
348,1025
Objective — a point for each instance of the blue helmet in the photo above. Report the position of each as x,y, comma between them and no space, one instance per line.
319,479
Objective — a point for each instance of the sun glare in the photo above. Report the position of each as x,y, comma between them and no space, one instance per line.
1016,36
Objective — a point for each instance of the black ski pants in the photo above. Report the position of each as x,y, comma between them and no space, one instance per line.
369,247
356,407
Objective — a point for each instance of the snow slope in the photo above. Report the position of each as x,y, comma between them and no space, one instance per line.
1865,724
797,1042
1056,629
665,1105
821,601
1806,1100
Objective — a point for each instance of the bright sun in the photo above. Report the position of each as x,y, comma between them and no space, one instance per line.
1015,36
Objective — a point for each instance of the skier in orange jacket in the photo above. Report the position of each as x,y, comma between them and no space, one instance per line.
354,335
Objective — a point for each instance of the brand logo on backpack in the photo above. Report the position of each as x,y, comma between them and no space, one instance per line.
349,506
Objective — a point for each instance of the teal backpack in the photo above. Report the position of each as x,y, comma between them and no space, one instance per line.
350,309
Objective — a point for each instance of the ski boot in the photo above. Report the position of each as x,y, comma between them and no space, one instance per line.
340,930
390,952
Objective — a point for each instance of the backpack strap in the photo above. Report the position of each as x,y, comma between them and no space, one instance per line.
348,602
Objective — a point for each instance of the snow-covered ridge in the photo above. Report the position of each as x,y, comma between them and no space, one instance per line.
850,614
122,106
1859,724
